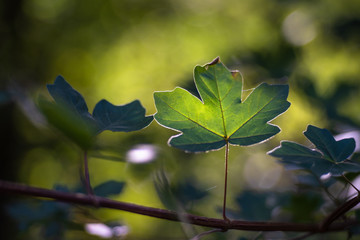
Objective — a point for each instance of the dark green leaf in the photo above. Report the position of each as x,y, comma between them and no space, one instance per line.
258,206
64,94
337,151
70,114
68,122
295,156
220,115
53,217
182,194
355,230
303,207
329,157
109,188
124,118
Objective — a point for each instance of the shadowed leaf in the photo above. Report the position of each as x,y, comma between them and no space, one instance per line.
330,156
109,188
70,114
124,118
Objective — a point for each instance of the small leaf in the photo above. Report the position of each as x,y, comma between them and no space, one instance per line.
329,157
220,116
179,195
124,118
337,151
70,114
64,94
258,206
295,156
303,207
51,216
109,188
68,122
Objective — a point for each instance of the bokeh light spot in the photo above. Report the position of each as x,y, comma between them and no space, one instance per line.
298,28
142,153
104,231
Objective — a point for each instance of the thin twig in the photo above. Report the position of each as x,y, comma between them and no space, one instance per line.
328,193
341,210
203,234
349,182
89,189
81,199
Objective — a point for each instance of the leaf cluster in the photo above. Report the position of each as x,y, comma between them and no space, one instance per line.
328,157
70,114
220,116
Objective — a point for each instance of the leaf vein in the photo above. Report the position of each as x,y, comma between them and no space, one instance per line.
194,121
251,117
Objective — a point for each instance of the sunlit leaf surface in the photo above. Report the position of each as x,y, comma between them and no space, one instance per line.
220,115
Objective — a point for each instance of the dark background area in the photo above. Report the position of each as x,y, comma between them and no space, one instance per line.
126,50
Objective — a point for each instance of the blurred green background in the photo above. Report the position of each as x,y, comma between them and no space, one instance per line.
123,50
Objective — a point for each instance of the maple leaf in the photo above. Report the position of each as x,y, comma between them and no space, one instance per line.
69,113
220,116
329,156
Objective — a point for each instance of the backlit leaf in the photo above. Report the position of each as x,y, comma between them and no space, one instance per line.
220,116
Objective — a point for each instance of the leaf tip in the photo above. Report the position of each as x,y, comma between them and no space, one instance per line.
236,74
59,78
215,61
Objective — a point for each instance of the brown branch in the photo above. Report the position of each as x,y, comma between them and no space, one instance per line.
341,210
82,199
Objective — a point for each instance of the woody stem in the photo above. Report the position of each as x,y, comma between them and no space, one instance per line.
225,182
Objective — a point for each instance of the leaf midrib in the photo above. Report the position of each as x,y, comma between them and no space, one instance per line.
253,114
221,108
193,121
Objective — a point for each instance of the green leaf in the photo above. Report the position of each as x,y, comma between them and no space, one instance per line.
337,151
64,94
303,207
68,122
178,195
259,206
109,188
296,156
70,114
220,116
124,118
330,156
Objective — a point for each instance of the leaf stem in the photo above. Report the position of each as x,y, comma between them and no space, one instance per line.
225,182
349,182
340,211
89,190
328,193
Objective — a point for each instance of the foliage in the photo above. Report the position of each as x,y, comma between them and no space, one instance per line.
70,114
219,117
330,156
